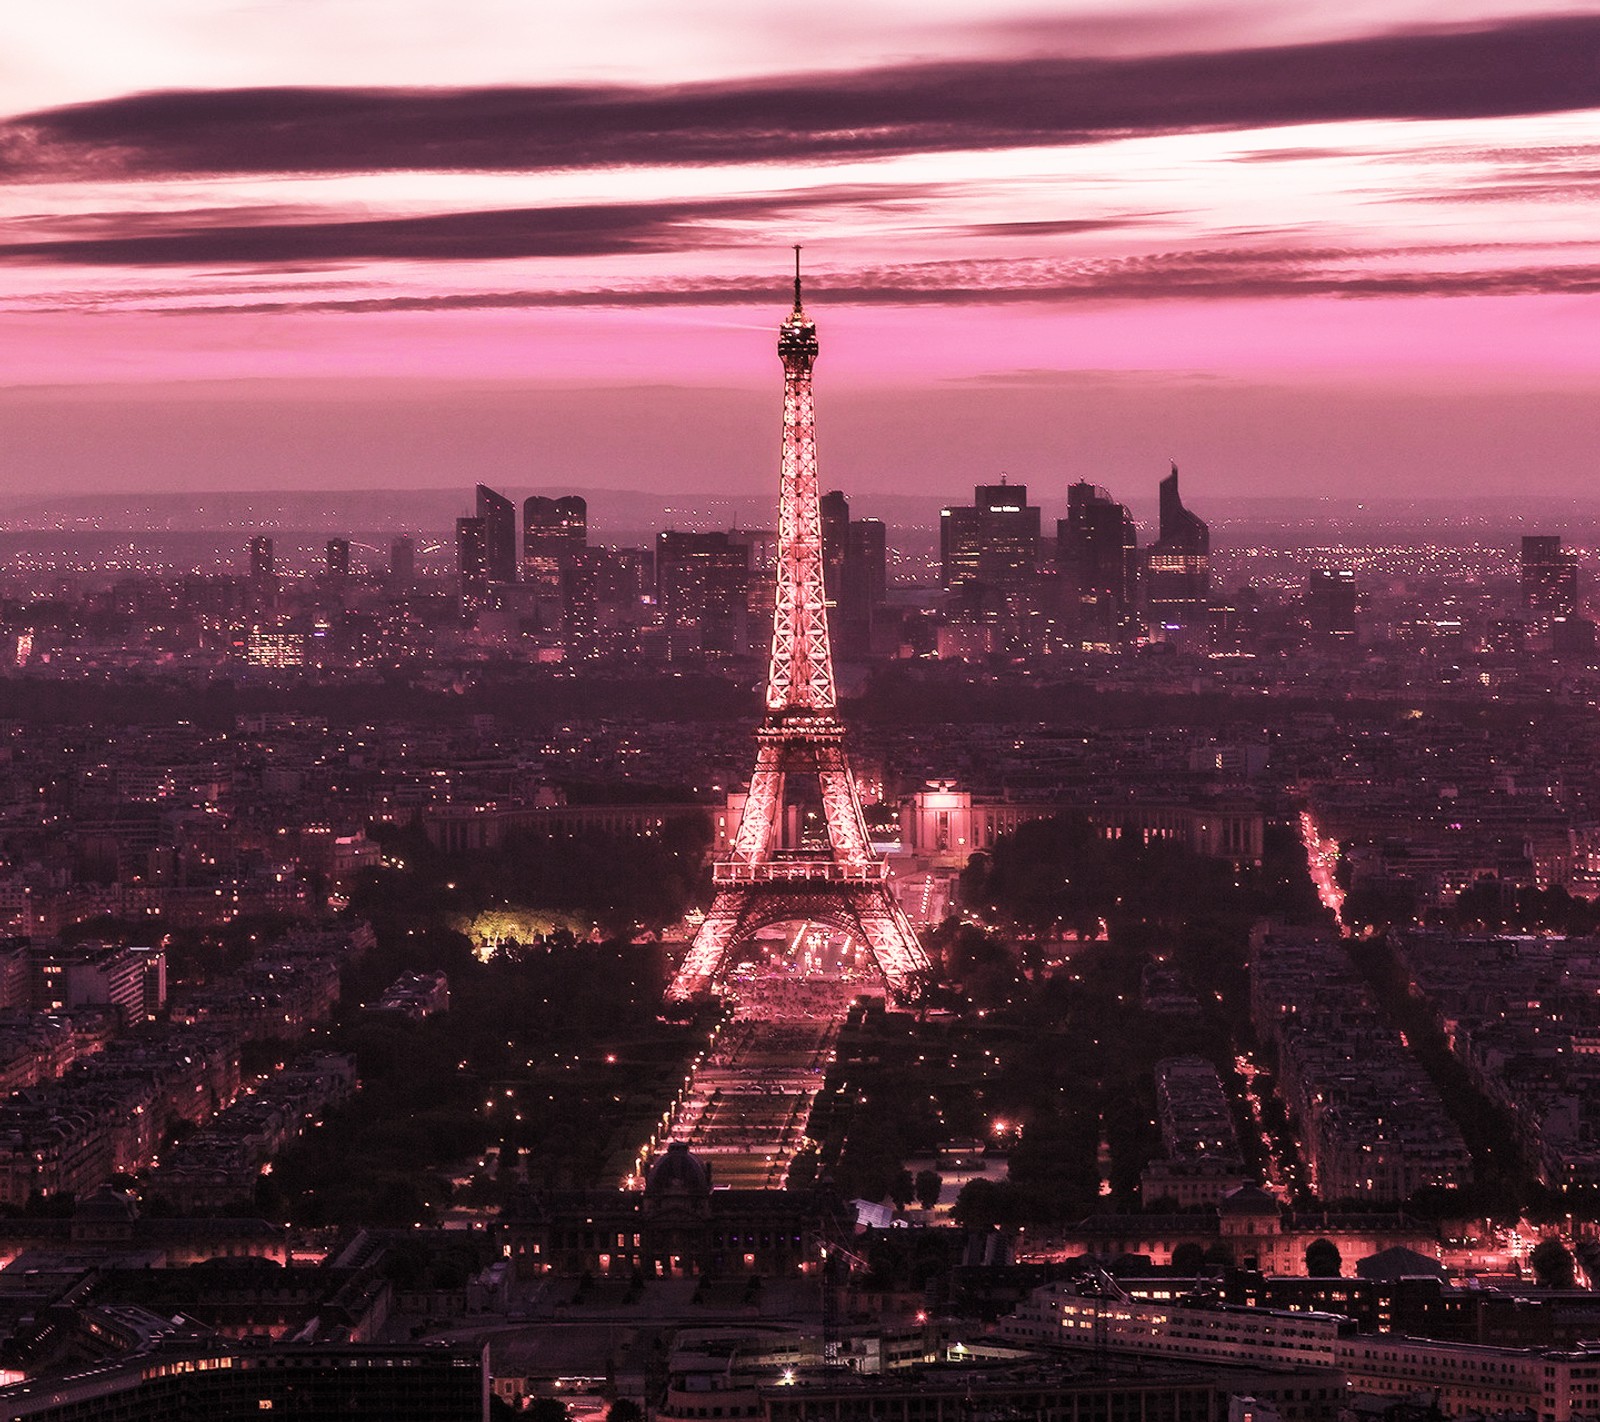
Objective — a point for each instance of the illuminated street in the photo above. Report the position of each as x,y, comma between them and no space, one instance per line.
745,1108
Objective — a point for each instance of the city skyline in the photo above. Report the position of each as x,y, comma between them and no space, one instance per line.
1300,253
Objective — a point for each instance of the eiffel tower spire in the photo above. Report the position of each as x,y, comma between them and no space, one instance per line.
781,868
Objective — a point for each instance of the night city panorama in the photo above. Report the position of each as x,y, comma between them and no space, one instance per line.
869,712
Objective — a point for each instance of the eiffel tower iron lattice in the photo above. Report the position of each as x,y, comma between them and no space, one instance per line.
782,868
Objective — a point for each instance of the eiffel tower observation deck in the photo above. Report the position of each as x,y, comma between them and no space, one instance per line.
801,852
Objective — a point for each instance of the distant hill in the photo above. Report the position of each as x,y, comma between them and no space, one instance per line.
634,516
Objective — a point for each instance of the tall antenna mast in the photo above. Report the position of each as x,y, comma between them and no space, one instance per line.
796,276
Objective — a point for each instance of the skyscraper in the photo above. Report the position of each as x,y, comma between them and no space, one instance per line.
993,541
865,586
402,564
1331,602
835,538
1178,565
1549,577
702,587
336,568
499,518
554,532
472,559
262,564
761,582
854,573
1097,557
600,603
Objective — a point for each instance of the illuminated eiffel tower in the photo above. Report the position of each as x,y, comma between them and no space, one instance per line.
801,852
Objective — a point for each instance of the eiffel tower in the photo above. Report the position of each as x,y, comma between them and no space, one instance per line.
801,852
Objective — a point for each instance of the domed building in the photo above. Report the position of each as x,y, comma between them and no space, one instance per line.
679,1224
679,1175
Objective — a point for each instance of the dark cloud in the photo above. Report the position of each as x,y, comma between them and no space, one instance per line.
1193,276
599,229
1518,67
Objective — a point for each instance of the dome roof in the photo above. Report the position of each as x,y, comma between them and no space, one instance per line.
107,1205
678,1173
1247,1200
1398,1262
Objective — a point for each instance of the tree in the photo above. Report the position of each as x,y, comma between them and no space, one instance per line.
625,1409
1189,1257
902,1189
928,1185
548,1409
1552,1264
984,1204
1323,1260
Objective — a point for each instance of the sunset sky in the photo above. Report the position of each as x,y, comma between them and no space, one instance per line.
1301,248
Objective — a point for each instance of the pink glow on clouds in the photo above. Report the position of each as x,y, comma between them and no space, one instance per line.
1424,251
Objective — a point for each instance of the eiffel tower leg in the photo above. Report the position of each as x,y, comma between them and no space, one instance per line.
757,825
847,830
894,944
699,969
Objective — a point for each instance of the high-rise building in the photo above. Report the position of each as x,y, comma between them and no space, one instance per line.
993,541
761,586
1549,577
702,587
499,518
1331,602
1178,564
337,566
835,539
865,586
854,573
402,564
472,559
554,532
601,594
263,566
1097,557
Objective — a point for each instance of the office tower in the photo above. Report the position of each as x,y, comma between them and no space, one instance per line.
402,564
601,602
993,541
835,512
1331,602
1549,577
865,585
554,532
472,559
1572,636
702,588
499,518
835,537
854,573
337,565
1178,564
263,566
1097,558
761,586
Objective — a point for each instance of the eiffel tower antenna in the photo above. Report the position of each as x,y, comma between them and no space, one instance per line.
774,872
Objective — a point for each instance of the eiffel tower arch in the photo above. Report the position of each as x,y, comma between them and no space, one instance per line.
786,864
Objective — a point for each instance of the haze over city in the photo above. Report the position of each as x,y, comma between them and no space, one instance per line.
1302,249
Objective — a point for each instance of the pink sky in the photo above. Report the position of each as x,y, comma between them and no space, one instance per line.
1300,248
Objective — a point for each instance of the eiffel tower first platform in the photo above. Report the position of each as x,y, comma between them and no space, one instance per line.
801,852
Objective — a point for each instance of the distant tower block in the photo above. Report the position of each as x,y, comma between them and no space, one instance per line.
801,852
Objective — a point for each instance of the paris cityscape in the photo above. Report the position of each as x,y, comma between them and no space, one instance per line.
1036,856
